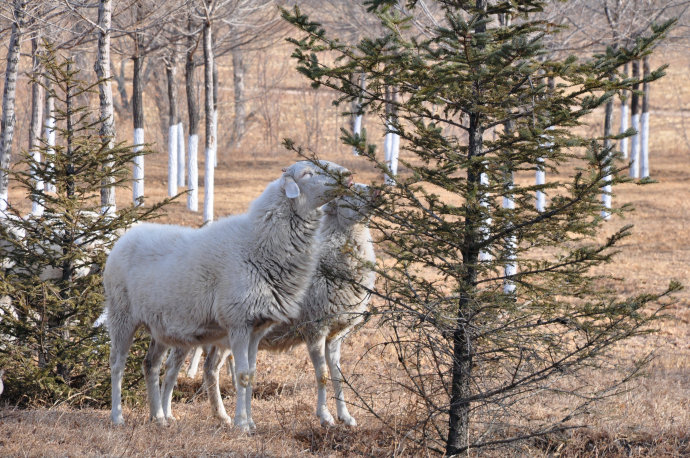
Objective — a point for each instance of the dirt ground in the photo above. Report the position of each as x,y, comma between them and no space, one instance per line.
652,419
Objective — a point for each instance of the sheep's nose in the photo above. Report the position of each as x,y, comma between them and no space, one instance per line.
349,181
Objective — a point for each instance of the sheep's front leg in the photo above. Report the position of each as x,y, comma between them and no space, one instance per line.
239,342
231,369
333,356
172,369
152,371
316,350
214,361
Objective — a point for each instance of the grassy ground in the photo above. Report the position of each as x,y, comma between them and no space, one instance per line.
652,419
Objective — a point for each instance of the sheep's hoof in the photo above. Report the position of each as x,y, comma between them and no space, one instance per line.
171,418
348,420
326,419
244,428
160,421
252,425
118,420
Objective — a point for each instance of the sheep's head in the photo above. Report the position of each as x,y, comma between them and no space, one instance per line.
354,207
314,184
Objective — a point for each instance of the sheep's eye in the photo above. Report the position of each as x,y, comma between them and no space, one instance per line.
307,175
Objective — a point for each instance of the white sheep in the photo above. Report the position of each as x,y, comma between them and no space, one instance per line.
231,280
334,304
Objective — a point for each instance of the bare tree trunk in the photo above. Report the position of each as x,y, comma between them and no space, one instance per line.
36,122
171,73
49,132
635,121
105,95
608,131
193,112
624,118
210,140
119,78
239,70
214,124
644,124
8,100
138,119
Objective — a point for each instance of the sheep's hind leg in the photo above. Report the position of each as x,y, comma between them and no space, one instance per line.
252,350
318,358
194,363
121,335
333,356
152,371
239,342
172,369
214,361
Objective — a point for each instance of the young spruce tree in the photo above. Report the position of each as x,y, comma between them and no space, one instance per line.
50,284
481,338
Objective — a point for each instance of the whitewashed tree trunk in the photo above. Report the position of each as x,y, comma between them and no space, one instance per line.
7,122
485,255
138,119
635,121
392,141
181,179
608,131
171,73
210,139
49,134
36,123
510,268
105,94
357,109
624,118
644,123
193,113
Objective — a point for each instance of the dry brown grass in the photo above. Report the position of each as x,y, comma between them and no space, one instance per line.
652,419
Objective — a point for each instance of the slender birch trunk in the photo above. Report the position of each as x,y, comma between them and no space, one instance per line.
239,69
7,122
210,140
36,123
635,121
173,169
644,122
105,95
392,140
624,118
193,112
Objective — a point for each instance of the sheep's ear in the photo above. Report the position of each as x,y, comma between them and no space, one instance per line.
291,189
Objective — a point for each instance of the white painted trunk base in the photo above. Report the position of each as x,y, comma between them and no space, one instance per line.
644,145
181,178
172,160
510,268
192,168
50,151
138,172
540,180
484,181
635,147
624,127
357,130
37,204
391,148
